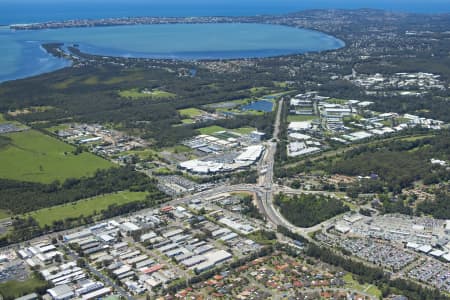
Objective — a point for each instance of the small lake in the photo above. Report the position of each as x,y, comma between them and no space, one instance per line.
22,54
261,105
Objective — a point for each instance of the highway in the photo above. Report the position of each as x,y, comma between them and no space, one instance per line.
266,192
264,189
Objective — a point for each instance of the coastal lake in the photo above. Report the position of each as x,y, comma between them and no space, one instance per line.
23,56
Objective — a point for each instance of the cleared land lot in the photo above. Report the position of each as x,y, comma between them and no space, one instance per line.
86,207
365,288
33,156
4,214
211,129
191,112
244,130
300,118
154,94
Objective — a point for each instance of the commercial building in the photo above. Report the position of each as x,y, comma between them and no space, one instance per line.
257,136
97,294
212,259
299,126
61,292
250,155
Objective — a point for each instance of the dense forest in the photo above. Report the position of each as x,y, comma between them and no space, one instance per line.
393,164
398,164
24,229
70,100
439,208
20,197
307,210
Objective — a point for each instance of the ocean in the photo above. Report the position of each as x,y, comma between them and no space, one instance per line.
22,55
28,11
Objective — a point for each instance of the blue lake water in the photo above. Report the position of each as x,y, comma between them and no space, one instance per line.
21,55
24,56
261,105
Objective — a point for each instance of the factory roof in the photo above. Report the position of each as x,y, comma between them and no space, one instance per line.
61,291
296,126
425,248
437,253
128,226
77,235
252,153
199,166
299,136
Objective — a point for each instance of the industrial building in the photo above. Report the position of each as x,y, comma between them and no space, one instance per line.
246,158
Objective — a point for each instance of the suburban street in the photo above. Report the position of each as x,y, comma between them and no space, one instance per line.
74,256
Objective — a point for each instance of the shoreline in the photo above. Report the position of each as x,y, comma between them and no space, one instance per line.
129,21
133,20
195,56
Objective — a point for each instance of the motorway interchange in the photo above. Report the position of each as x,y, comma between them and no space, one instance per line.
159,270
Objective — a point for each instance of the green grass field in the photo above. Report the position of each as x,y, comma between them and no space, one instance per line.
14,289
240,112
142,153
258,90
87,207
281,84
336,101
154,94
177,149
33,156
300,118
366,288
4,214
187,121
114,80
191,112
211,129
2,119
158,94
260,238
417,137
91,80
243,130
66,83
55,128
